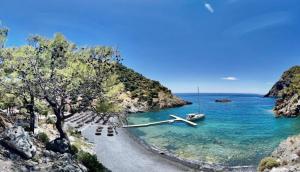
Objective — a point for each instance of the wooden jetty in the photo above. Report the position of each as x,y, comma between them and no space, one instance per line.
176,119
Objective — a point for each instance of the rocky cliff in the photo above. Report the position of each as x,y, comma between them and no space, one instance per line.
286,157
142,94
287,92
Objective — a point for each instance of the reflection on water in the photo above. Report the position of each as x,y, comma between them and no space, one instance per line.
236,133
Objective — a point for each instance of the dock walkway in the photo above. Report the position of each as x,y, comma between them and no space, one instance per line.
176,119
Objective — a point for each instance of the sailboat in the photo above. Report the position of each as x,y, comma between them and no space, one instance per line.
195,116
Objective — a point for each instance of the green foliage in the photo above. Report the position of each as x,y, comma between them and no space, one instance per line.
107,106
43,137
74,149
267,163
8,100
292,76
42,108
139,86
50,120
74,132
57,72
112,88
91,162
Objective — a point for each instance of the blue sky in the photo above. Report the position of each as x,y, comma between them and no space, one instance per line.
218,45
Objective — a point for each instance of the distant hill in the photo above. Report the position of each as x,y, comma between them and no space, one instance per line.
287,92
143,94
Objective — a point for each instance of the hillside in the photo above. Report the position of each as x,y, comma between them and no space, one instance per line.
142,94
287,92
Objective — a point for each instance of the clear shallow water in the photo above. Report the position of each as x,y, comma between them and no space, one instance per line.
237,133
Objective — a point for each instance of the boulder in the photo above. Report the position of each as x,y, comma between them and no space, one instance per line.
18,140
59,145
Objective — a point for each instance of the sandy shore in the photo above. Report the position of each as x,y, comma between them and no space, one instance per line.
121,153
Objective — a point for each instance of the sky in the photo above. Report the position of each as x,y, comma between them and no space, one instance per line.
228,46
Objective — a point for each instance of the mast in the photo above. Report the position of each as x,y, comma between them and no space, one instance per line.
198,100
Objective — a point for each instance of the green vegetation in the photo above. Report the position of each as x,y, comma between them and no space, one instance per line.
43,137
139,86
54,76
73,132
291,80
74,149
51,75
112,88
42,108
50,120
267,163
91,162
292,77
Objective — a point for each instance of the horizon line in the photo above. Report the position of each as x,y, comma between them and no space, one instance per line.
218,93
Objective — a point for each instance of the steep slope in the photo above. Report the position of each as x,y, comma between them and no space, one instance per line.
143,94
287,92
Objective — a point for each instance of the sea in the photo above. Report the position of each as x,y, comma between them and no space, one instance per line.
238,133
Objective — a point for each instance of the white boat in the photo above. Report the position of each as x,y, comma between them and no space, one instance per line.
194,116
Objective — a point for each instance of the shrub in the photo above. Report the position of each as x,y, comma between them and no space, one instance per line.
43,137
267,163
74,133
42,108
50,120
74,149
90,162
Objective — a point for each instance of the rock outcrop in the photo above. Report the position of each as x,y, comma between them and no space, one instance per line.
16,139
287,92
58,145
64,162
289,107
287,155
44,160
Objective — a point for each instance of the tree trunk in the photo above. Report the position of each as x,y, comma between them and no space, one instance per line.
59,125
30,109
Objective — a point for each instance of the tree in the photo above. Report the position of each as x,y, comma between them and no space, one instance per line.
17,77
3,36
69,76
59,73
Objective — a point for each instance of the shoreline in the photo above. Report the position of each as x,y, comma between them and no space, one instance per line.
193,164
122,151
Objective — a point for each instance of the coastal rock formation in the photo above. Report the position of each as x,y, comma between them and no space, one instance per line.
289,107
18,140
142,94
287,92
287,155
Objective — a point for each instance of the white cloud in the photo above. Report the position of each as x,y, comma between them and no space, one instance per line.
261,22
209,7
230,78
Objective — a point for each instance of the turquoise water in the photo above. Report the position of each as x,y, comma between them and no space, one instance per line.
232,134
